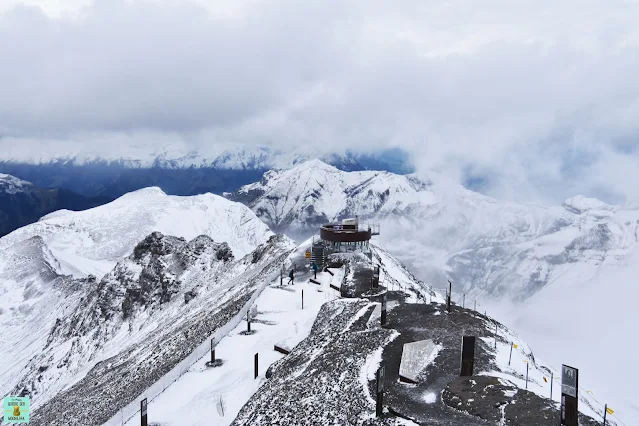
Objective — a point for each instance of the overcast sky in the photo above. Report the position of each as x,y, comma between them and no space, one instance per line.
529,100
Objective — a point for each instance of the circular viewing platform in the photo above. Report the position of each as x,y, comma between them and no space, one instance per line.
344,233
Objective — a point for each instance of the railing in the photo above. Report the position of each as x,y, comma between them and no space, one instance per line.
372,227
344,233
132,408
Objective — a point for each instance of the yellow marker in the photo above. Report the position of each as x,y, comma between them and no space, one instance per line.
515,345
610,410
545,380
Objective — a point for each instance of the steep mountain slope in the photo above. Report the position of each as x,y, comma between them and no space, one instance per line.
33,293
93,241
22,202
114,172
46,281
138,322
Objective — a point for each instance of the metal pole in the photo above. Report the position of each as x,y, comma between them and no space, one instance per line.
248,323
605,412
495,335
212,351
302,298
464,301
551,376
527,375
511,354
255,366
475,309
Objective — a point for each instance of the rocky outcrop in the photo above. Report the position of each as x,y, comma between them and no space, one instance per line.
162,274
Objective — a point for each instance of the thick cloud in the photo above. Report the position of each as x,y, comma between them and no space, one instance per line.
534,101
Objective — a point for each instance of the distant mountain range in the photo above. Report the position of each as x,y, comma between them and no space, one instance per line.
491,249
187,174
22,203
110,300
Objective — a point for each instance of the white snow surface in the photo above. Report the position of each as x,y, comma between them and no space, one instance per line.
94,240
199,391
32,296
430,398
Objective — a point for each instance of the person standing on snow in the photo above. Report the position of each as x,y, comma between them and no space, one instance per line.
315,269
291,276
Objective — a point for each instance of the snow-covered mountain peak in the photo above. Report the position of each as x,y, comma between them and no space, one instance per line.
12,185
152,191
313,192
94,240
581,203
314,165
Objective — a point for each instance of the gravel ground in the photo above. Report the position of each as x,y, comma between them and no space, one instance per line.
320,382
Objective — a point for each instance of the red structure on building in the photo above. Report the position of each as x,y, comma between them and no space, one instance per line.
347,236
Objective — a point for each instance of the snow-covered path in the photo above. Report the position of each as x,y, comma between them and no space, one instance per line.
194,399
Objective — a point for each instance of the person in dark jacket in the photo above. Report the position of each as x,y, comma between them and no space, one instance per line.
291,276
315,269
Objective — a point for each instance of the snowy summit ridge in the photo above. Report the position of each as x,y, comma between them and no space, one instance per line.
299,199
93,241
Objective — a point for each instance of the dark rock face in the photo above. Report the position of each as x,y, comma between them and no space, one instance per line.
224,253
157,244
189,295
490,399
123,291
